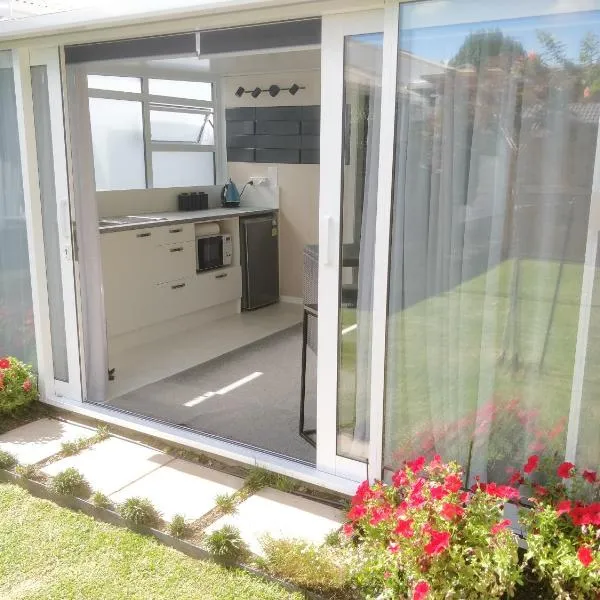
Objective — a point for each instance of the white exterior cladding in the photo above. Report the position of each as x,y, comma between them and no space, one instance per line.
29,39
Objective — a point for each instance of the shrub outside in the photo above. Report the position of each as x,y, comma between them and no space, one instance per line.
18,387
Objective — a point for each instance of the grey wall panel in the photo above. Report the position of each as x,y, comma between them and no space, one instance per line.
241,141
277,141
239,128
311,113
277,127
311,127
243,113
309,157
277,156
240,154
181,43
310,142
279,113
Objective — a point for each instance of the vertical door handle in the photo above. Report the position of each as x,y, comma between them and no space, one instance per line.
329,229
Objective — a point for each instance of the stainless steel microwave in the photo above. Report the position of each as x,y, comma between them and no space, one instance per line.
213,251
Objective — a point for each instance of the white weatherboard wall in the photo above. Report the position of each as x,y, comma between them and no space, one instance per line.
298,184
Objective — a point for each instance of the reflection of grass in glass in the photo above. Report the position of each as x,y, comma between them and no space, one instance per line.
444,353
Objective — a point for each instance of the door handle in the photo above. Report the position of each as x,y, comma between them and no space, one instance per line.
143,235
178,230
221,276
329,230
178,286
180,249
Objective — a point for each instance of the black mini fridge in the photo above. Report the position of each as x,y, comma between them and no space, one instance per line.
259,238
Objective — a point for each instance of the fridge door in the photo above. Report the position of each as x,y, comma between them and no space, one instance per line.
260,246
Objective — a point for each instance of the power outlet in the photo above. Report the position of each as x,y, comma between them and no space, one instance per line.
259,180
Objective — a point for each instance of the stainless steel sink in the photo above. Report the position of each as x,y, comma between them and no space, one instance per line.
130,219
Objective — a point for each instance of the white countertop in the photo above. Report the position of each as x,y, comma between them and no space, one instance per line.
192,216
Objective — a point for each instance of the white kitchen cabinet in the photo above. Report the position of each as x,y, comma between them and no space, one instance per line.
150,277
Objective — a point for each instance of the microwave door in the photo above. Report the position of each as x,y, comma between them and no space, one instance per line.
210,253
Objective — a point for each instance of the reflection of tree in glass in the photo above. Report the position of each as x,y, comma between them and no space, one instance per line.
480,46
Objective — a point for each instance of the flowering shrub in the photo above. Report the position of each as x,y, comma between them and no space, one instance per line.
17,385
563,529
424,537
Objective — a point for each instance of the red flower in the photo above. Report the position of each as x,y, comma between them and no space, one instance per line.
393,548
505,492
4,363
585,556
540,490
532,464
464,497
565,470
399,479
356,512
421,590
563,507
416,465
451,511
453,483
362,493
590,476
348,529
380,514
27,385
498,527
440,540
404,528
516,478
438,492
586,515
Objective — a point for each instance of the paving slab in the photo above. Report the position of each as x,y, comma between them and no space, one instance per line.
112,464
281,515
41,439
182,487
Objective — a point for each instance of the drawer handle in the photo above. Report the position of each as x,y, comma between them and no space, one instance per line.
178,230
146,234
180,249
178,286
221,276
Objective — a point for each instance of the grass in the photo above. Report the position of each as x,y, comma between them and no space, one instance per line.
51,553
444,360
80,444
226,503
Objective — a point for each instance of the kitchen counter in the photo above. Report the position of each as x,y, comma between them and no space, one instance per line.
192,216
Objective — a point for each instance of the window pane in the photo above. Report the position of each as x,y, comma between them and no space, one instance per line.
194,90
196,128
496,133
43,140
118,141
17,335
183,169
114,84
362,99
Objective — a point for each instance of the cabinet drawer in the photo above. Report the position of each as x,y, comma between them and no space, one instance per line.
174,261
171,234
219,286
176,298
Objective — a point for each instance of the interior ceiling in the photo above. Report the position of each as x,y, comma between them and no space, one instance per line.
304,59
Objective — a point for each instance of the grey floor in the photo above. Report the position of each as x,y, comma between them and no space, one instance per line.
262,412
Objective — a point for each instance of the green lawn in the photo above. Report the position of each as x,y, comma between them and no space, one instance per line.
444,364
51,553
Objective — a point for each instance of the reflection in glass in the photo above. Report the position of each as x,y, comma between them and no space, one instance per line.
118,142
362,104
194,90
496,140
17,334
115,83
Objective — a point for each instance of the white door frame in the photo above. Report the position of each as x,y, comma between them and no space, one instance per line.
23,60
334,31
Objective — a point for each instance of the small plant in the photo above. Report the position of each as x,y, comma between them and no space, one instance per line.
27,471
425,537
227,543
102,433
70,482
283,483
18,388
139,511
259,478
7,460
101,500
178,526
333,538
318,568
226,503
563,529
74,447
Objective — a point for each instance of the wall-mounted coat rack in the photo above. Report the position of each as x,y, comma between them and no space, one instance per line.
272,90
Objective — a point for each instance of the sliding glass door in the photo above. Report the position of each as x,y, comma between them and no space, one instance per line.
491,301
42,136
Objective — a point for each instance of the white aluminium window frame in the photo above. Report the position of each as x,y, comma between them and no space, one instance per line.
154,102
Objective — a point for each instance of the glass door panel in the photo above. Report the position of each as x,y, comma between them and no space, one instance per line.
496,159
352,56
363,55
46,94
